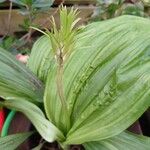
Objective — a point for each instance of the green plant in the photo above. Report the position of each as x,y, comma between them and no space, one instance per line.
30,9
112,8
95,83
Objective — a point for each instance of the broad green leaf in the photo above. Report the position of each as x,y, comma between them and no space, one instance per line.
123,141
114,91
46,129
17,81
11,142
41,58
105,80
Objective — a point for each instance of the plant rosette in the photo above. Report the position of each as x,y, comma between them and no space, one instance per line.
82,85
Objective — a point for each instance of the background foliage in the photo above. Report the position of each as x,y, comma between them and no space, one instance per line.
113,8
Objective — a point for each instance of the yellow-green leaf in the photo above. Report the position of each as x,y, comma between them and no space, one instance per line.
11,142
123,141
17,81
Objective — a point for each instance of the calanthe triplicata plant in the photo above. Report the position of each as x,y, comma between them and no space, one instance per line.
92,82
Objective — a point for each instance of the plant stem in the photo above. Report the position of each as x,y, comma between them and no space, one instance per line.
64,147
9,17
60,85
60,88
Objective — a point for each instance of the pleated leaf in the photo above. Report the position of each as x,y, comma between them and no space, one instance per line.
46,129
114,91
123,141
11,142
106,80
17,81
41,58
